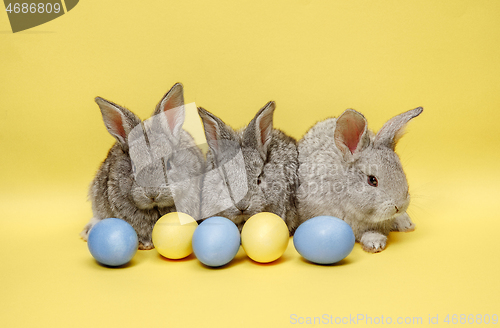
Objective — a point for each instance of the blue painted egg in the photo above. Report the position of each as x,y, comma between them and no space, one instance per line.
216,241
324,239
112,242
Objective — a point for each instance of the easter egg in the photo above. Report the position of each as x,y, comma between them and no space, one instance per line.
112,242
172,235
264,237
324,239
216,241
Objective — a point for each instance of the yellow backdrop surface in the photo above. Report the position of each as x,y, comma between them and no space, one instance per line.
315,59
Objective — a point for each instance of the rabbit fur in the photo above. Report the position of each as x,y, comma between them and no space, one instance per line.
347,171
249,171
153,168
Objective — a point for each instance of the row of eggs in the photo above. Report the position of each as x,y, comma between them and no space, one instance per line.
215,241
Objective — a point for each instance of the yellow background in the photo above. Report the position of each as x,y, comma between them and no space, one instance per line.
315,59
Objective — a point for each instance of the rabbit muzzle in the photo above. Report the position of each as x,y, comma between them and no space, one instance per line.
148,198
390,210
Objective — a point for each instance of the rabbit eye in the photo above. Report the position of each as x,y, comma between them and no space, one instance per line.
372,181
259,179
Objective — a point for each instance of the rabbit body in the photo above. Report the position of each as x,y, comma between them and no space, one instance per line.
154,168
249,171
347,171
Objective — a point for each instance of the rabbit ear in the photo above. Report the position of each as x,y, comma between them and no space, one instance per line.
214,127
393,130
172,105
351,133
118,120
264,127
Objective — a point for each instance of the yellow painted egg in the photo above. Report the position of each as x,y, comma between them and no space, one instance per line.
172,235
264,237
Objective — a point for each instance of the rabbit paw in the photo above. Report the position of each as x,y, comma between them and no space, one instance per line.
373,242
85,232
146,245
403,223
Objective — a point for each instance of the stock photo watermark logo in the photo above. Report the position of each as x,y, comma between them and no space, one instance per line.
161,160
24,15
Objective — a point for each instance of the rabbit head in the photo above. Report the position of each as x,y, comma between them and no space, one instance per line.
247,169
154,167
356,175
376,184
151,147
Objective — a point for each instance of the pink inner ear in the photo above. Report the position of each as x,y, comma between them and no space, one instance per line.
266,127
349,129
172,116
211,133
174,98
352,134
169,104
117,122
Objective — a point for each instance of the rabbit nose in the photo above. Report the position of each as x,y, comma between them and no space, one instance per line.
399,208
243,205
152,194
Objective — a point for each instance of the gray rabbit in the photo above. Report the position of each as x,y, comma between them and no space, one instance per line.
349,172
249,171
153,168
